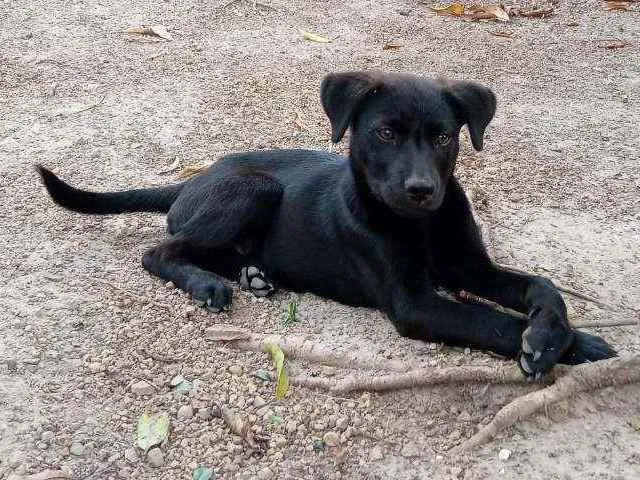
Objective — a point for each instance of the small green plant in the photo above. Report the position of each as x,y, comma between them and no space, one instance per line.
291,312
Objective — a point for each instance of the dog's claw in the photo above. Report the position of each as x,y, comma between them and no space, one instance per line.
537,354
538,376
525,365
526,348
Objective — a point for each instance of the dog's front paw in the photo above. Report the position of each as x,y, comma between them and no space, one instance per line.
544,342
587,348
210,293
254,280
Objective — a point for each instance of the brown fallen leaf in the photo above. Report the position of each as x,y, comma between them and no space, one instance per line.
504,33
455,9
487,12
392,46
154,30
191,170
613,44
241,427
540,11
297,121
611,5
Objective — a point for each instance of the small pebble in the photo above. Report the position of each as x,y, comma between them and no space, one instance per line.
155,457
170,285
235,369
46,436
185,412
342,423
327,370
259,402
204,413
76,449
504,454
331,439
177,380
291,427
142,388
131,455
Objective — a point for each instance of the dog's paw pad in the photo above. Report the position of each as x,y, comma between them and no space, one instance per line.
254,280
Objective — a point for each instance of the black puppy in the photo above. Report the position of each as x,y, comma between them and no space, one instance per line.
384,228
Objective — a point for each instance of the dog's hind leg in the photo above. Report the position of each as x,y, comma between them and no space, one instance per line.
217,239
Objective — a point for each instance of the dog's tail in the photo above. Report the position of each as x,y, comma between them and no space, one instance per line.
140,200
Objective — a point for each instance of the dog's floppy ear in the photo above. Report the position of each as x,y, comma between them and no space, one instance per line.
342,94
475,104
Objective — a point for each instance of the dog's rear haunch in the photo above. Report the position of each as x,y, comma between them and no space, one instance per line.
384,228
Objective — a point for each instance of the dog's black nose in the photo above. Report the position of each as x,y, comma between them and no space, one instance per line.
419,190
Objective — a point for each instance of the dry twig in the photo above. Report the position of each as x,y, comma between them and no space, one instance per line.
586,377
419,378
465,296
296,347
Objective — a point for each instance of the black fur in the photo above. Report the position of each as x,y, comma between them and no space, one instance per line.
385,228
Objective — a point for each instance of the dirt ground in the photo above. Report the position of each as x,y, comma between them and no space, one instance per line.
80,321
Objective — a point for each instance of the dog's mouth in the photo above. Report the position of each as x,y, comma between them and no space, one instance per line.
408,209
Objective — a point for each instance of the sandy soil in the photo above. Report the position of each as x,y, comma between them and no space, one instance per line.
560,179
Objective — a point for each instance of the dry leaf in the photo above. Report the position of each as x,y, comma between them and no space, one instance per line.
161,32
170,168
455,9
226,333
504,33
613,44
616,5
392,46
191,170
156,30
487,12
497,11
537,12
238,425
312,37
298,121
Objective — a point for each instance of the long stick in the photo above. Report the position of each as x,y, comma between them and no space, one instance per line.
419,378
586,377
470,297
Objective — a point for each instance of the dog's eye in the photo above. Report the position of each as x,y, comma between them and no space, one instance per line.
442,140
385,134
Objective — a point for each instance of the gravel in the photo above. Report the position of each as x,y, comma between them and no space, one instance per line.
90,341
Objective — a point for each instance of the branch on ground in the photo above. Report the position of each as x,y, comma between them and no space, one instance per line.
581,378
297,347
419,378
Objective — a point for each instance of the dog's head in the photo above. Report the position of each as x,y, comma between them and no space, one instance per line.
405,132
